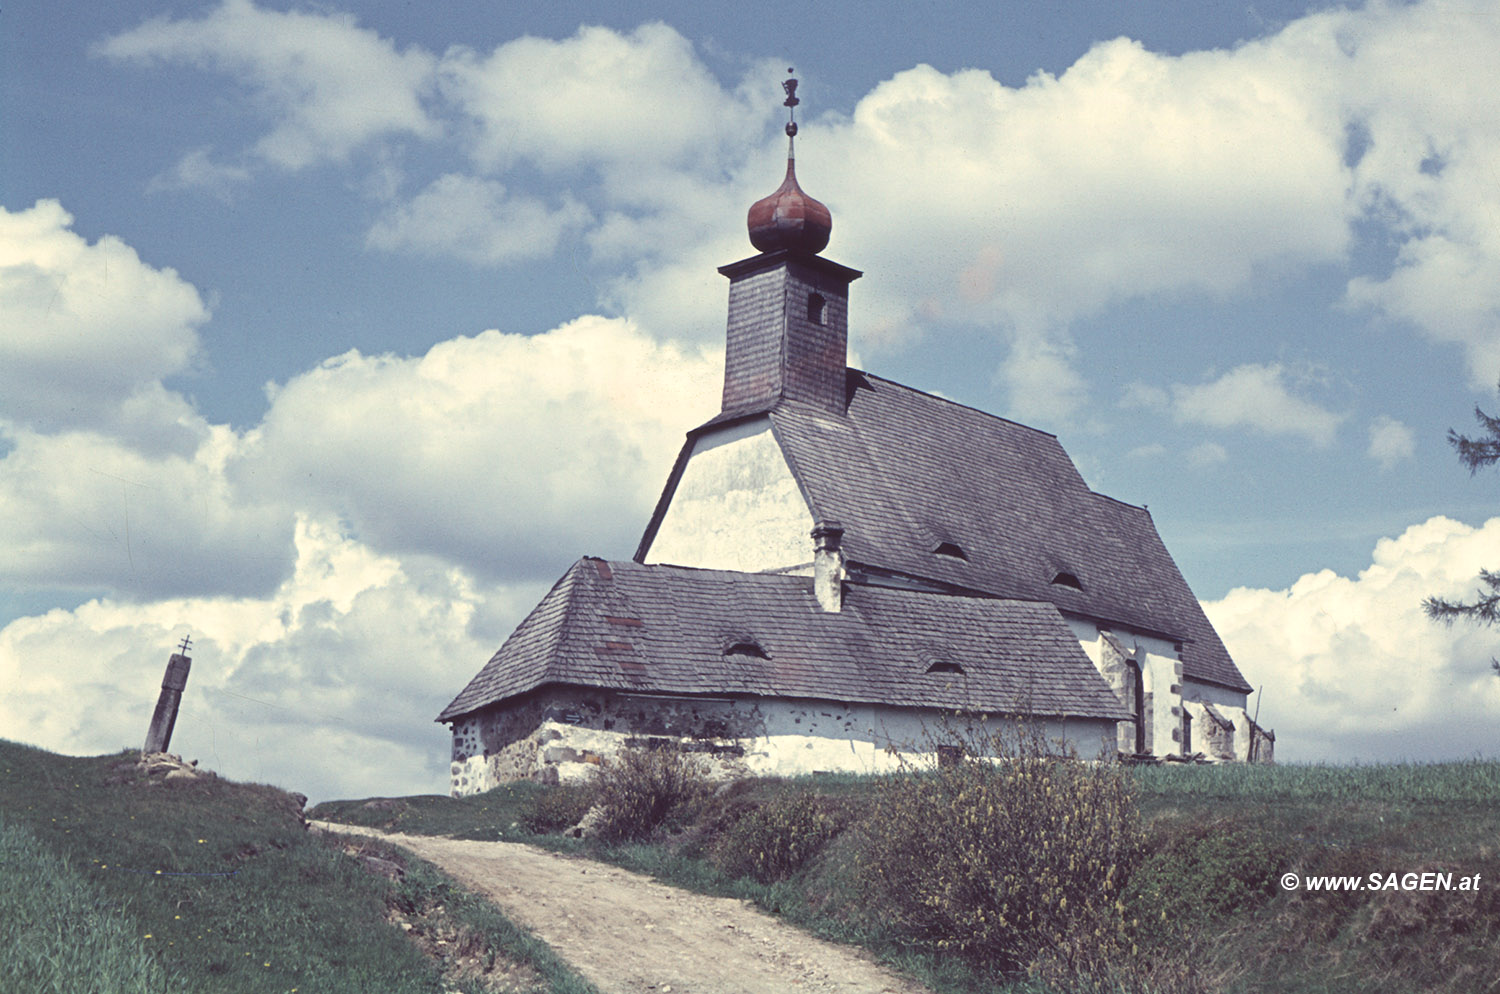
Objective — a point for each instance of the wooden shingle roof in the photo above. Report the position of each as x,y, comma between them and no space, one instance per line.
908,474
669,629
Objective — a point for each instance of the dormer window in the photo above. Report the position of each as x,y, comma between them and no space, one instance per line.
816,304
942,666
951,550
1067,580
746,648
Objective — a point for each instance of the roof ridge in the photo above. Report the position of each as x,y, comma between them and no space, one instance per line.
954,403
1122,503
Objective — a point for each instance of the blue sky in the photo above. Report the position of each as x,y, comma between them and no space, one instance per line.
333,333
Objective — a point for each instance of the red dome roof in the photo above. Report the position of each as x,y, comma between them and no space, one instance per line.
789,219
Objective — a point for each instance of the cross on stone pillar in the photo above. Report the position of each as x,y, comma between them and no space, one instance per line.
159,735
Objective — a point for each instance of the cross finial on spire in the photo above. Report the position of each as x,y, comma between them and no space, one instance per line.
790,103
186,644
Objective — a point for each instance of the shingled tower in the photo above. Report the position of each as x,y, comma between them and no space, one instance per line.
788,307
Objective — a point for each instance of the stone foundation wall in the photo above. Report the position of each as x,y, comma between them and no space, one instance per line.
563,734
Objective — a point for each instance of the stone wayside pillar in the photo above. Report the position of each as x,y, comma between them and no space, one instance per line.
159,735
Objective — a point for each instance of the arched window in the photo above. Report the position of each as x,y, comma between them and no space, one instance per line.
1138,705
1068,580
746,648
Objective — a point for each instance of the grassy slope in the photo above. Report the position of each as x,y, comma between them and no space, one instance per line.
1352,820
1316,820
222,888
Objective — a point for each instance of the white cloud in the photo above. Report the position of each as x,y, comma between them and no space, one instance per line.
89,329
1255,396
478,221
1040,380
638,100
328,85
327,685
1353,669
1133,174
1413,78
197,170
82,511
1390,441
508,453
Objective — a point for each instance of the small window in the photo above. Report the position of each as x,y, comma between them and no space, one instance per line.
815,307
1067,580
746,649
945,667
951,550
950,755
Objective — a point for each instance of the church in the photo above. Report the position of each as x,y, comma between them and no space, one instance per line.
842,571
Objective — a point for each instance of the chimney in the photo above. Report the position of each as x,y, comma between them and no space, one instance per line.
828,565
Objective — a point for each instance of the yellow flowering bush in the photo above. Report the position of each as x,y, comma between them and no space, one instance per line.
774,841
1012,856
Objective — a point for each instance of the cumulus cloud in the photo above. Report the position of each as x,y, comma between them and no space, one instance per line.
328,85
636,99
1353,669
89,328
1255,396
1131,174
1040,380
478,221
328,684
1390,441
502,452
86,512
1407,76
1136,174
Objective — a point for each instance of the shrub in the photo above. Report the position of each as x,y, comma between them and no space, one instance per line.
1007,862
774,841
553,809
1201,876
641,788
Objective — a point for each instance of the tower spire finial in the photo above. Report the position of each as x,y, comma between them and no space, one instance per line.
790,219
790,103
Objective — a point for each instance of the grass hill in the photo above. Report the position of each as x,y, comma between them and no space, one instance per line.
114,880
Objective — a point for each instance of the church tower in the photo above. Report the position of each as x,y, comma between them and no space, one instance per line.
788,329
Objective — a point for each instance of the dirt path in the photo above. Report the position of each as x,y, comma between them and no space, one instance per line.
629,934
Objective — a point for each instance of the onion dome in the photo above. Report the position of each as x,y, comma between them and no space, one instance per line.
789,219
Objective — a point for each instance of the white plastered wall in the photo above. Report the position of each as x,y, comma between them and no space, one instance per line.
791,737
1161,678
737,506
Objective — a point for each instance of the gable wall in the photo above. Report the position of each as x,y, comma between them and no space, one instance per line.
737,506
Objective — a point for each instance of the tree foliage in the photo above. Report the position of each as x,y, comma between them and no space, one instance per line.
1476,453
